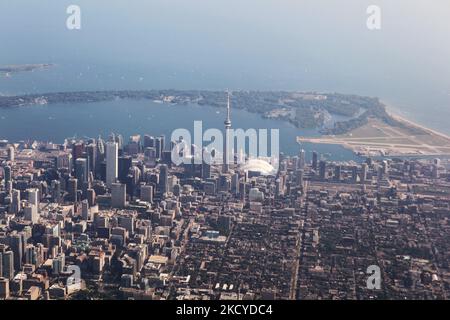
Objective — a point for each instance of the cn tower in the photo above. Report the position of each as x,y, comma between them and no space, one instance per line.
227,143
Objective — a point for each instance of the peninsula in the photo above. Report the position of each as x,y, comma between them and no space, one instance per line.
395,138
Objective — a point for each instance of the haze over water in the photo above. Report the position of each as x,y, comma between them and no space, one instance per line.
254,44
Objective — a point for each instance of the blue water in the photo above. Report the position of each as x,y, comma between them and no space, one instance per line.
305,45
59,121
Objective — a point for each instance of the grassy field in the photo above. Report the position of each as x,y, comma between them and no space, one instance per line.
379,138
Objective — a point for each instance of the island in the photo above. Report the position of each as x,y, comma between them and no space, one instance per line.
10,69
304,110
364,126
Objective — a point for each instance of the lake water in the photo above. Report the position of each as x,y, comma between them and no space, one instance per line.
306,45
59,121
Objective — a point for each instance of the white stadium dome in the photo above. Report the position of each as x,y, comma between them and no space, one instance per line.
258,165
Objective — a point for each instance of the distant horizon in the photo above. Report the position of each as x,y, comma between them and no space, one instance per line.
263,45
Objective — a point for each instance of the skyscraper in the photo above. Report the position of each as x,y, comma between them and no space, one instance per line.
314,160
77,151
11,156
15,202
15,241
354,174
100,153
227,142
158,147
124,165
235,184
7,259
56,191
134,144
72,187
91,152
364,169
147,193
8,175
90,195
338,172
300,176
149,141
4,288
301,162
118,195
33,197
85,214
31,213
162,138
206,167
81,170
163,178
322,170
58,263
111,163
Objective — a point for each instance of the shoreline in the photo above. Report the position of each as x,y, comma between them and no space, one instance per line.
380,138
400,118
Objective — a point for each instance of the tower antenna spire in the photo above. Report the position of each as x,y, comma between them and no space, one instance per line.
228,106
228,119
227,145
